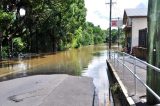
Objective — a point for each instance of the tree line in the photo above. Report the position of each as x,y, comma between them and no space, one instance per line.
47,26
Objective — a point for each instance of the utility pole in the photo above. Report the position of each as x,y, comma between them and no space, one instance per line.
110,19
118,24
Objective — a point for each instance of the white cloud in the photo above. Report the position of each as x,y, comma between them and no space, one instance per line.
98,10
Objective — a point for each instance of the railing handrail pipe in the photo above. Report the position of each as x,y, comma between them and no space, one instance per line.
135,75
153,67
148,88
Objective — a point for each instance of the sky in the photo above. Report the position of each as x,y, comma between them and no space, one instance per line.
98,10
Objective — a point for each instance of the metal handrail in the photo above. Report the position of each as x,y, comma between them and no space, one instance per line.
136,76
153,67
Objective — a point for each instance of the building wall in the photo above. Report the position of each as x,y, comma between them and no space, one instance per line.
137,24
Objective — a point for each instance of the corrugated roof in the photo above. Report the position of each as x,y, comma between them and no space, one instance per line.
136,12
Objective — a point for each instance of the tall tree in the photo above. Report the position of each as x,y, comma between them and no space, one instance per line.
48,25
153,77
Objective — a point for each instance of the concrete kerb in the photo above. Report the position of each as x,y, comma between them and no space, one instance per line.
124,90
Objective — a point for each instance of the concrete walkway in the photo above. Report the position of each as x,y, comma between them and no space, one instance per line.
47,90
134,88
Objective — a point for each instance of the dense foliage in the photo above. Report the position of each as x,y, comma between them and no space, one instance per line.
115,37
48,26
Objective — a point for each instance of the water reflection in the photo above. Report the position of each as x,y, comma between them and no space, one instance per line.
68,62
87,61
19,67
97,70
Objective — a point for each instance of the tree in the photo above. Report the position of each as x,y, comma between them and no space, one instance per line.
114,36
48,25
93,34
153,77
5,23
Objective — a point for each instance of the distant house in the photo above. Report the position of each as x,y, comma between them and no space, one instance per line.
135,21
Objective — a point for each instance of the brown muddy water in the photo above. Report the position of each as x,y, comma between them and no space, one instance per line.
86,61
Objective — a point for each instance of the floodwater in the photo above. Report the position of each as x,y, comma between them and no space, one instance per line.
86,61
97,70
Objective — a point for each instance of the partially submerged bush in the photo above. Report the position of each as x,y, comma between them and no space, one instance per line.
115,88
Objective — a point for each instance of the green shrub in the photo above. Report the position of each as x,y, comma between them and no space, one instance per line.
115,88
18,44
4,52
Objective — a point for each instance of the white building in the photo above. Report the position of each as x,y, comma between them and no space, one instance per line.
134,21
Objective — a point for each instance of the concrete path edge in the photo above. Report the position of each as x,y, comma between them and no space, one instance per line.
124,90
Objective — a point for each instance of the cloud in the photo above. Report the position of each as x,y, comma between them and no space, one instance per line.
98,10
141,5
100,15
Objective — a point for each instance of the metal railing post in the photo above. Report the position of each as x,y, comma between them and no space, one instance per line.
133,72
117,59
114,59
134,75
123,67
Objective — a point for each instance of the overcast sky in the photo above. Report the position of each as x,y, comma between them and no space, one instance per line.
98,10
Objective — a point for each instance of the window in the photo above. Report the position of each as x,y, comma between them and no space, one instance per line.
143,38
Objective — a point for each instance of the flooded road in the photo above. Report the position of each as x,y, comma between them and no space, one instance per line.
97,70
86,61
